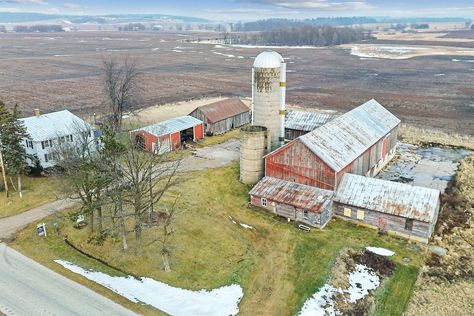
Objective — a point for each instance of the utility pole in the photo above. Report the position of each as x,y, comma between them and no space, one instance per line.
5,183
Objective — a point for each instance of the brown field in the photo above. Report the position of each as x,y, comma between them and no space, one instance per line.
56,71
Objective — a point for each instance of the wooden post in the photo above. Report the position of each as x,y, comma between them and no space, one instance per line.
2,165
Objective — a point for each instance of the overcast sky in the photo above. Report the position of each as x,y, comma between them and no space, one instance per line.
249,9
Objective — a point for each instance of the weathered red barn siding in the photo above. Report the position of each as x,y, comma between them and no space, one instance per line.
175,140
296,163
149,138
199,131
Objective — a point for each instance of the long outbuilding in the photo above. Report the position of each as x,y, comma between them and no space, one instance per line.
222,116
361,141
298,123
294,201
403,209
168,135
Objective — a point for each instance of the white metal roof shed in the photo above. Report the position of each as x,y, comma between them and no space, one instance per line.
54,125
389,197
171,126
307,121
342,140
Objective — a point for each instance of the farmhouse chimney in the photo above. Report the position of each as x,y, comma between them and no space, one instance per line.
37,112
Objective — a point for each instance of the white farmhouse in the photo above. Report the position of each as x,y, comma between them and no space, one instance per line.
48,131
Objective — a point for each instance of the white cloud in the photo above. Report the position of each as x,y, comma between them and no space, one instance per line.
323,5
73,6
38,2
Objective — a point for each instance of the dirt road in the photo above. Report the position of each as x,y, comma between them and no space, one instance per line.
28,288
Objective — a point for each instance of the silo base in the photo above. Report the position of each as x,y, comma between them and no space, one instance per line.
253,144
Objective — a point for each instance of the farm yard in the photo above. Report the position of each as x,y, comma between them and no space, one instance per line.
51,72
278,266
220,253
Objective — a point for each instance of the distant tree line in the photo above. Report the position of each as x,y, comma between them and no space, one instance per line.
38,28
274,24
298,36
3,29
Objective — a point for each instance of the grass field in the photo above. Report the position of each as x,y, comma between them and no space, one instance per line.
36,191
278,266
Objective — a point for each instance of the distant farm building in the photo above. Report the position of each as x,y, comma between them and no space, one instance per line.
361,141
403,209
169,135
222,116
294,201
49,131
298,123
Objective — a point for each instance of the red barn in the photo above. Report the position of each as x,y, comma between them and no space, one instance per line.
361,141
168,135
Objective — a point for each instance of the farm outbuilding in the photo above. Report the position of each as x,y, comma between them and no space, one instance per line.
361,141
294,201
298,123
222,116
168,135
402,209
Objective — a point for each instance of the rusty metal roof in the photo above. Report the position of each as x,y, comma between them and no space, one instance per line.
299,195
388,197
307,121
342,140
221,110
171,126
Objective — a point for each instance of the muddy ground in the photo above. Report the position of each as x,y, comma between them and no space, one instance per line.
56,71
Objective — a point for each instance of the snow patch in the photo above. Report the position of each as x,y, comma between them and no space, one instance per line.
380,251
62,55
156,48
176,50
171,300
247,226
362,280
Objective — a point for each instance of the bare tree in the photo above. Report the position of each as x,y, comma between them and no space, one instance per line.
148,178
120,86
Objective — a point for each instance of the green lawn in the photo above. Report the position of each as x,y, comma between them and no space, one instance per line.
36,191
278,266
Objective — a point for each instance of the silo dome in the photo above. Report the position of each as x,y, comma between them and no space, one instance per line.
268,59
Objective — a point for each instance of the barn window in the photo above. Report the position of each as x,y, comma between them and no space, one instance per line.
347,212
305,214
360,215
264,202
409,224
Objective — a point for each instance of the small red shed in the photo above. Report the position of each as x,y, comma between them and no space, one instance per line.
168,135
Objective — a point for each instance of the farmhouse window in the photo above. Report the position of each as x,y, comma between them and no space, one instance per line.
360,215
347,212
29,144
48,157
305,214
409,224
264,202
62,139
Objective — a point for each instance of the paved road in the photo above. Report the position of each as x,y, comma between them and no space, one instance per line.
28,288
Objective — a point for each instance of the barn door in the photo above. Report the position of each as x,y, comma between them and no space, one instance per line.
163,146
287,211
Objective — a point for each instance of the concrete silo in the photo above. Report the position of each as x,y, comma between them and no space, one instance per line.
253,146
268,96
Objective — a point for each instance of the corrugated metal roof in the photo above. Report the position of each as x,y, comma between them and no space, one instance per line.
388,197
291,193
171,126
342,140
307,121
54,125
221,110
